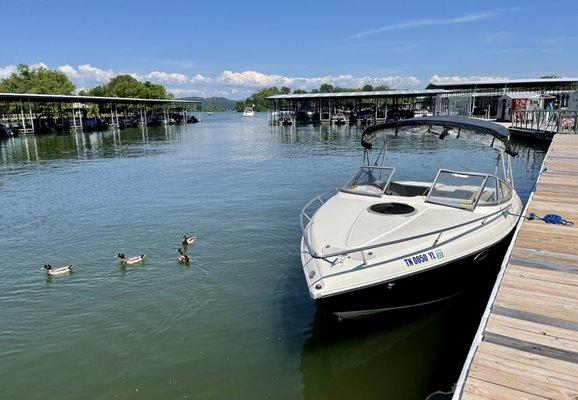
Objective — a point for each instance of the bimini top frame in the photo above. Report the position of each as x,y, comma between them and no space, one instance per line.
447,125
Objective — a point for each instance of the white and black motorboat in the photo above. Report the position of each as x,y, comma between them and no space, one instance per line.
379,244
339,118
248,112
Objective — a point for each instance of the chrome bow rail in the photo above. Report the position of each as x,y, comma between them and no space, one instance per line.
306,227
303,214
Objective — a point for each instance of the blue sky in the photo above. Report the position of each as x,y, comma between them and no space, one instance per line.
233,48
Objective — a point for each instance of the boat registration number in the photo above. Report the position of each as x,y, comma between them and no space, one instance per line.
423,258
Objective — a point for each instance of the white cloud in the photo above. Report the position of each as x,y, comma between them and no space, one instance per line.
10,69
86,74
198,78
39,65
427,22
166,77
178,92
253,79
68,70
228,83
458,79
7,71
498,36
258,79
94,73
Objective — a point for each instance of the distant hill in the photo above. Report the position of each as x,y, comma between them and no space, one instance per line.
214,103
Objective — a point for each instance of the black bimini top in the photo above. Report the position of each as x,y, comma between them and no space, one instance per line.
448,124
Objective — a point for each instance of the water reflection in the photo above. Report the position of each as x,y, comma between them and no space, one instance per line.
385,357
85,145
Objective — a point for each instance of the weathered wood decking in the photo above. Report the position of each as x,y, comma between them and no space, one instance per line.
527,345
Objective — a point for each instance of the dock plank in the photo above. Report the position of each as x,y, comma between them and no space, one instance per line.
479,389
530,384
527,347
560,367
534,333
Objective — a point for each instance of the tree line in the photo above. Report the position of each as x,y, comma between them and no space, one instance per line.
259,100
42,80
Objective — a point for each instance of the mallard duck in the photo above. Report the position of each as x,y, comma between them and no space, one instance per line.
183,258
189,240
55,271
131,260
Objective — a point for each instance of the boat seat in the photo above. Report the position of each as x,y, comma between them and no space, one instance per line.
489,196
406,190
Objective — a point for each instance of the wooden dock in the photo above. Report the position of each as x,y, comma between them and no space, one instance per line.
527,343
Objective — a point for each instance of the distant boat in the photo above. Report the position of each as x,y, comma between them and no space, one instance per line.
5,132
339,118
249,112
209,113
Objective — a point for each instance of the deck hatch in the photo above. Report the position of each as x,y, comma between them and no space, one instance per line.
392,208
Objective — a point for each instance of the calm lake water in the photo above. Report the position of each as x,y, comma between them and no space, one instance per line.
237,323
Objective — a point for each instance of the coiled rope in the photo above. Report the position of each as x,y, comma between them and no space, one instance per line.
548,218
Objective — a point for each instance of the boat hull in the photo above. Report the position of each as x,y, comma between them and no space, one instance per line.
422,289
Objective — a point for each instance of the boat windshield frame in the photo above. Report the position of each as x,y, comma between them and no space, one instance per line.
347,187
478,194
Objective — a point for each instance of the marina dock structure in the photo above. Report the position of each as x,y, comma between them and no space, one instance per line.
512,100
377,103
44,113
526,346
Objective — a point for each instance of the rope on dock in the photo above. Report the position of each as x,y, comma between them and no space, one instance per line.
548,218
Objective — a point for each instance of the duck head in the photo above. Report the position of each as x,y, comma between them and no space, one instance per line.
180,251
120,255
47,267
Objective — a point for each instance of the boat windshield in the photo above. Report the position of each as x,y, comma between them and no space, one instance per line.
457,189
369,181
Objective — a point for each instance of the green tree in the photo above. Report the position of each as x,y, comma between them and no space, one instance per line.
299,91
128,86
326,88
240,106
381,88
367,88
37,80
259,99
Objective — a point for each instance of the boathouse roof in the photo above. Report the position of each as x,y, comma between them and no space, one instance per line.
88,99
504,83
374,94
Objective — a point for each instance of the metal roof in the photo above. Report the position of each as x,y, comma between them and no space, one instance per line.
501,83
526,95
87,99
374,94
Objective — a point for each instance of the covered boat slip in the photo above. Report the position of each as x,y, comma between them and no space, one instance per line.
35,113
527,343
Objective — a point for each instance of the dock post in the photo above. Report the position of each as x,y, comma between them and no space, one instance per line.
22,117
73,116
30,113
111,119
79,119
